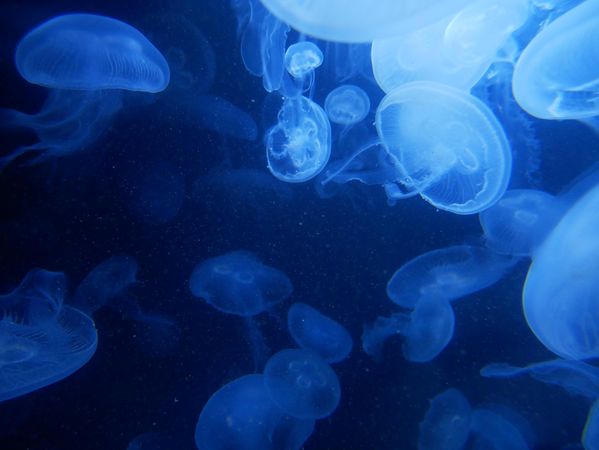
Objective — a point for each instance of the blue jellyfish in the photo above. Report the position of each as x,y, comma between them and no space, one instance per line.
314,331
153,441
553,78
519,222
590,434
90,52
448,144
302,58
449,273
302,384
446,424
427,330
157,335
242,416
299,145
215,113
347,104
560,294
493,431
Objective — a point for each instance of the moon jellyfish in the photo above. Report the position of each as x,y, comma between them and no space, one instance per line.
556,76
299,145
302,384
446,424
590,434
449,273
218,114
241,416
448,144
495,431
347,105
427,330
560,294
89,52
314,331
518,223
302,58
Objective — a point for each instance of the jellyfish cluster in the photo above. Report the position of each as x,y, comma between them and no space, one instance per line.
291,224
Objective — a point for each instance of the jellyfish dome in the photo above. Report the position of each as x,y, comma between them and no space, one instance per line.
302,58
560,298
90,52
299,145
347,104
314,331
239,283
448,145
446,424
241,416
302,384
556,75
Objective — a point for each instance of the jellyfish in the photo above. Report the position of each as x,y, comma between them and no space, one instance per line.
590,434
152,441
450,273
426,330
91,52
302,58
555,77
215,113
560,298
347,105
314,331
157,335
449,146
302,384
299,145
446,424
519,222
496,431
242,416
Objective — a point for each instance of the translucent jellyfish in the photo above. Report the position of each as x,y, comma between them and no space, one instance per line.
157,335
449,273
496,431
560,295
427,330
555,77
347,105
446,424
241,416
299,145
519,222
302,384
361,20
302,58
448,145
89,52
314,331
590,434
218,114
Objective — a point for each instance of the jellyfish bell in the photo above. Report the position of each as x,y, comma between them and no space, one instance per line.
347,105
446,423
302,58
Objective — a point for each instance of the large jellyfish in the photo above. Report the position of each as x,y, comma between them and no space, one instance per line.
446,424
556,75
448,144
242,416
299,145
347,105
89,52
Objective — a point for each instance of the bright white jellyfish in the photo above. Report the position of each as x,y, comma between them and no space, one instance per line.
299,145
302,58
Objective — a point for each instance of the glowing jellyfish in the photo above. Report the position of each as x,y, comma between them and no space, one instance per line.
556,76
446,424
449,273
560,295
299,145
242,416
347,104
496,431
89,52
427,330
449,146
314,331
303,58
302,384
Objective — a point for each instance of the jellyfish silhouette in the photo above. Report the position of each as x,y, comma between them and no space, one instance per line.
90,52
299,145
242,416
492,430
446,424
347,104
590,434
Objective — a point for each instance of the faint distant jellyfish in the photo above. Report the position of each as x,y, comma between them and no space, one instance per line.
448,145
556,75
242,416
347,105
496,431
299,145
446,424
90,52
302,58
152,441
590,434
302,384
314,331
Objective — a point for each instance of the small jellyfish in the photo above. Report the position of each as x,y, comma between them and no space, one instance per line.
302,384
448,145
495,431
242,416
302,58
555,77
347,105
299,145
446,424
314,331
